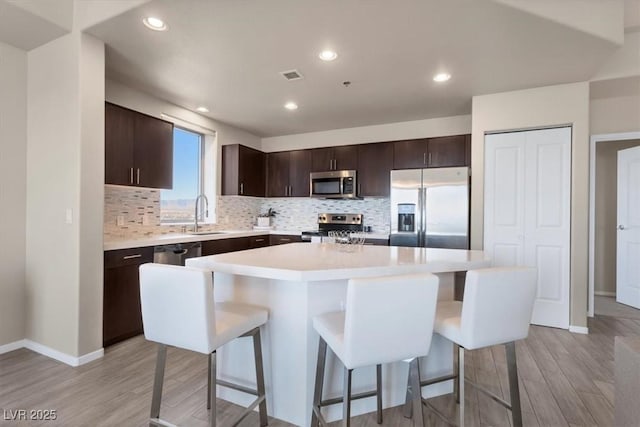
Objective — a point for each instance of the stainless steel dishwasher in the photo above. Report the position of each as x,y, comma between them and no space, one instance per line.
177,253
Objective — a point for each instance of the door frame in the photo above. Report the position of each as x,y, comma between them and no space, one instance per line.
608,137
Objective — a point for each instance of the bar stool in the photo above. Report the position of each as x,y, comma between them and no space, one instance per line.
382,318
178,309
496,309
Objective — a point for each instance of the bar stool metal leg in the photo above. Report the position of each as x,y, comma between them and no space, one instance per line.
158,380
379,392
416,393
257,351
514,388
461,385
212,389
407,412
317,394
456,371
209,383
346,400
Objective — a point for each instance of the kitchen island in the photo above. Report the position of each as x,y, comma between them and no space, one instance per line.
301,280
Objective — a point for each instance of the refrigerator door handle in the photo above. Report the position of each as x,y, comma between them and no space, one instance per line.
421,225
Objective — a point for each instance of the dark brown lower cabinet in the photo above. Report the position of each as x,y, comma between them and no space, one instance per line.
377,242
122,317
281,239
258,241
214,247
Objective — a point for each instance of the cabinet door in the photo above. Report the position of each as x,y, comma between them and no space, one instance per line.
299,170
321,159
122,316
153,152
345,157
278,174
410,154
251,172
118,144
375,162
448,151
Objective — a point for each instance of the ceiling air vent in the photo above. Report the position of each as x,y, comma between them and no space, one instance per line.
291,75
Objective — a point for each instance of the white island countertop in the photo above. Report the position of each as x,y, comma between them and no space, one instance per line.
326,261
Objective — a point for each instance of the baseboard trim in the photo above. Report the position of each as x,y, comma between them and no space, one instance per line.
579,329
6,348
605,294
63,357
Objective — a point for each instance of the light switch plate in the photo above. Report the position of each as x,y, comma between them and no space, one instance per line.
68,216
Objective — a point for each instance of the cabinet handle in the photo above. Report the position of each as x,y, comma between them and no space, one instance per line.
138,176
424,158
285,240
241,188
335,165
132,256
286,190
259,240
429,158
290,190
131,175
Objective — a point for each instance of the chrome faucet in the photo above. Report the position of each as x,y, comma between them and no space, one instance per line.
206,211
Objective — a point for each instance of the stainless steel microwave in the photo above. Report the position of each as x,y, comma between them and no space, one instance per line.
333,185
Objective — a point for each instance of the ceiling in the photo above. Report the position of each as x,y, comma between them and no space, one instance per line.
26,30
227,55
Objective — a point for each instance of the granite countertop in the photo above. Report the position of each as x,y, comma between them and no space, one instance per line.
167,239
326,261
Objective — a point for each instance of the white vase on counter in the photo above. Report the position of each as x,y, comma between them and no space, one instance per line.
264,221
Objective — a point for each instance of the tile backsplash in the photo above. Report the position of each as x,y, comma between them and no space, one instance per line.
140,210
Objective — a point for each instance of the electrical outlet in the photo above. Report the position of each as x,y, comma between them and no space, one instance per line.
120,220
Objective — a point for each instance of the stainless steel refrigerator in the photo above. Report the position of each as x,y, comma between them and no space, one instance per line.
430,208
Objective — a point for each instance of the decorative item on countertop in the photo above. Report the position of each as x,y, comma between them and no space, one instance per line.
347,241
264,219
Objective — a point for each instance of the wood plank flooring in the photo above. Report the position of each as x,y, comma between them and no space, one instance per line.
565,380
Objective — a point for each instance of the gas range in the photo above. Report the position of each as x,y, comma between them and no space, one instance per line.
333,222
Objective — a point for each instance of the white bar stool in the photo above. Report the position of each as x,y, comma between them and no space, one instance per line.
383,317
178,309
496,309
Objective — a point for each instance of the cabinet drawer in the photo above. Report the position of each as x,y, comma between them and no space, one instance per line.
131,256
221,246
377,242
281,239
258,241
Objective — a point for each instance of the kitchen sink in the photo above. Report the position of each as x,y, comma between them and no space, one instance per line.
205,233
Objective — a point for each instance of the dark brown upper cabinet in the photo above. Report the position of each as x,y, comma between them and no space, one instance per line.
138,149
375,162
243,171
449,151
432,152
342,157
288,173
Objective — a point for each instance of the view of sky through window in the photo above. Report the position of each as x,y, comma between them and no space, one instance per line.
177,205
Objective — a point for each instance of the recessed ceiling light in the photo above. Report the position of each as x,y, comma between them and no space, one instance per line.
155,24
202,109
291,105
327,55
441,77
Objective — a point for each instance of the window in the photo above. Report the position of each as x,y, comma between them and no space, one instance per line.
178,205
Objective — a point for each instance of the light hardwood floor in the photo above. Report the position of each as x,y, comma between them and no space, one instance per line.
565,379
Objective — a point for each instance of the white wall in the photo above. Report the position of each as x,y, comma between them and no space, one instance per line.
615,105
64,176
91,193
456,125
13,202
531,108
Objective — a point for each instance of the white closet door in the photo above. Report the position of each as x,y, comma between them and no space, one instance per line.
628,234
504,195
538,187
